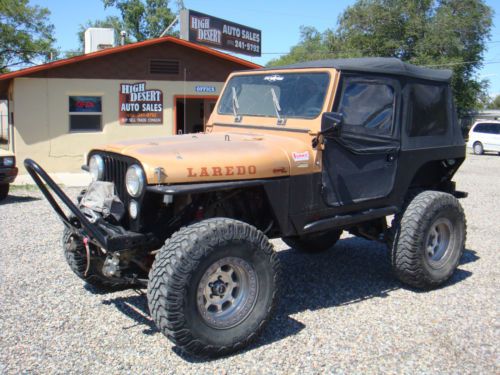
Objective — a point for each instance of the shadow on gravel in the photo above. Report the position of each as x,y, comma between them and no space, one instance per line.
136,308
11,199
354,271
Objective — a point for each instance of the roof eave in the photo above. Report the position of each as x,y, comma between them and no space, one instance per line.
127,47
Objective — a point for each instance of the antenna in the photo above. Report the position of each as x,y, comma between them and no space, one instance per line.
169,27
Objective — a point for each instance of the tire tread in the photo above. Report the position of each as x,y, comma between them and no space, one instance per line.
172,271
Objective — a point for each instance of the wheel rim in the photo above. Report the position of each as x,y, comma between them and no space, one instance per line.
438,243
227,292
478,148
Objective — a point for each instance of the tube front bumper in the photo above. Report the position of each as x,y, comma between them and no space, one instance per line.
100,232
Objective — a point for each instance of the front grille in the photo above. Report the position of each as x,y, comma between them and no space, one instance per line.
115,169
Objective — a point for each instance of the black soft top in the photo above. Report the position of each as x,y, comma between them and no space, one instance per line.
384,65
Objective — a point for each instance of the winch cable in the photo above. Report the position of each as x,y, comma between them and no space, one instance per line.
87,249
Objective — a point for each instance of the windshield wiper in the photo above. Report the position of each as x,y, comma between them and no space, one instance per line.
277,107
236,105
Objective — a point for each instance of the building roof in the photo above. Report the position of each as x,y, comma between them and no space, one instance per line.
384,65
127,47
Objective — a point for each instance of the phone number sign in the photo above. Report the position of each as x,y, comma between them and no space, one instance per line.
215,32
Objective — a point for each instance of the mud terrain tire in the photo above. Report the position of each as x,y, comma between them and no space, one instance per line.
200,258
314,243
76,256
429,240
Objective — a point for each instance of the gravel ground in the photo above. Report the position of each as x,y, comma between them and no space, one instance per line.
340,312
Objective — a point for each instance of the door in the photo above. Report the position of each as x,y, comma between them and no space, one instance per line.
496,138
489,135
208,108
361,163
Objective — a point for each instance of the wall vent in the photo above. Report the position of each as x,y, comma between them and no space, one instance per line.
164,67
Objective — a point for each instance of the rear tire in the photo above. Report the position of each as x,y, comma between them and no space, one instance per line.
4,191
213,286
429,240
315,242
478,148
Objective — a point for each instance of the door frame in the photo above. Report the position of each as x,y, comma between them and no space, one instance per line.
176,97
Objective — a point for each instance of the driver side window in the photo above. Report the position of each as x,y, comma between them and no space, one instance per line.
367,106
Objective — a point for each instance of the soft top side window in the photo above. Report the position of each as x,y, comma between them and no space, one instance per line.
367,105
428,110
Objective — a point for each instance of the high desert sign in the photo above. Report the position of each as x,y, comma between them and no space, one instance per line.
139,105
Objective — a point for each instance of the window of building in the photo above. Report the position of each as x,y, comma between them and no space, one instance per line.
428,110
85,113
368,105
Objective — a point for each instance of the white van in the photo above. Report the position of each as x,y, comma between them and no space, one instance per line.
484,136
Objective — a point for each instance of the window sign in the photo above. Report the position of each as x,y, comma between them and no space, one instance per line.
209,89
85,104
139,105
85,113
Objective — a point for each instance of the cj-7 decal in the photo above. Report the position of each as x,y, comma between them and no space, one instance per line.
238,170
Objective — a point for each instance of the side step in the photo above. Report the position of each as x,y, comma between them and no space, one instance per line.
345,220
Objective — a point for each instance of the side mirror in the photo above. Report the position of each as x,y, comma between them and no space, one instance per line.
331,124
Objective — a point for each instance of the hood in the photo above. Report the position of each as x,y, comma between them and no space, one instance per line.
217,157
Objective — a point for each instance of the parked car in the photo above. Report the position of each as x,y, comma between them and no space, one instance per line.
8,172
301,152
484,136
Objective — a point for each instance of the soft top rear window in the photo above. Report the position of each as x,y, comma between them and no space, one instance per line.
289,95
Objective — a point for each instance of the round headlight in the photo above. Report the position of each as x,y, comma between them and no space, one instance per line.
96,167
134,180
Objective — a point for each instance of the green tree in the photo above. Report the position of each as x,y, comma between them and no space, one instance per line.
26,35
437,33
143,19
495,103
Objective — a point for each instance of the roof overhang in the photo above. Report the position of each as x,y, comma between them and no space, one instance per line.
124,48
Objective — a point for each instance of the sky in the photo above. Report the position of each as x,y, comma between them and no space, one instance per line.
278,20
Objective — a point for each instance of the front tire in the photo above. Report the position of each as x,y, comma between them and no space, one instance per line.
213,286
429,240
478,148
4,191
315,242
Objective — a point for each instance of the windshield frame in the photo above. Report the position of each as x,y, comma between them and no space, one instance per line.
271,72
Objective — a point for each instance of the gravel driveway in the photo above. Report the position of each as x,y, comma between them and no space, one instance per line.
340,312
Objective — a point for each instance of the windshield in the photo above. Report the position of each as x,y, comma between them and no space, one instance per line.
287,95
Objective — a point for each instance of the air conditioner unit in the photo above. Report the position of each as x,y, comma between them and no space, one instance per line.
97,39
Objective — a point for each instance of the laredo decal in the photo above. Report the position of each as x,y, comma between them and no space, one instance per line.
239,170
